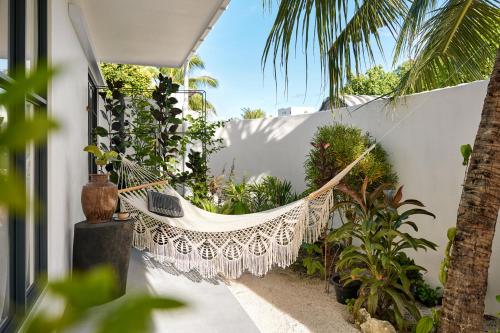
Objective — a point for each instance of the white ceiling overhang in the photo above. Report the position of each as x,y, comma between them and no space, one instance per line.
148,32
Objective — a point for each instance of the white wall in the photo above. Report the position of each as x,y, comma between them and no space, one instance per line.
424,150
67,169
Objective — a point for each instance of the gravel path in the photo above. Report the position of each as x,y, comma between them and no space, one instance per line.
282,301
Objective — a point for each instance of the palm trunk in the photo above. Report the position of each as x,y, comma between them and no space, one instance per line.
465,290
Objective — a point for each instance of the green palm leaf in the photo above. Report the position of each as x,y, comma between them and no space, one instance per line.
343,33
457,45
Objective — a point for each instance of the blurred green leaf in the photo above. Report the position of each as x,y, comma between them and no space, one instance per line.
17,134
12,193
134,314
15,91
87,290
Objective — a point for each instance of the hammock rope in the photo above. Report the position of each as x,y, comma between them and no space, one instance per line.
216,244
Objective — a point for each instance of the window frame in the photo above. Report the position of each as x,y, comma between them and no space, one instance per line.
22,298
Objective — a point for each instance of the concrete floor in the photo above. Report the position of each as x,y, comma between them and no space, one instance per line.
212,307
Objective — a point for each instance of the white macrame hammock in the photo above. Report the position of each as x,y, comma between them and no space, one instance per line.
224,244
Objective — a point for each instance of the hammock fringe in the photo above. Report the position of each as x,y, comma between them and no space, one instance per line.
186,250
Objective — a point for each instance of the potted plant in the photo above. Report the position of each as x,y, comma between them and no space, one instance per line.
99,196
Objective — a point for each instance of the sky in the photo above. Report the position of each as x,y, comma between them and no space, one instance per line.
232,53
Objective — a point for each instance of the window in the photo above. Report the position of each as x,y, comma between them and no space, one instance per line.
23,248
4,34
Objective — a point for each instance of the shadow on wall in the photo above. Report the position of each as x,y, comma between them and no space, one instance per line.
272,146
423,148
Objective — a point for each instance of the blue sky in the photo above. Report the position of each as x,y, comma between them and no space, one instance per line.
232,53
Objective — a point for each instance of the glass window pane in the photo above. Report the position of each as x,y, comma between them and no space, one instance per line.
4,237
30,209
31,34
4,33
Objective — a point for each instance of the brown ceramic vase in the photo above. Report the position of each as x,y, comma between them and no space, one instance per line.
99,199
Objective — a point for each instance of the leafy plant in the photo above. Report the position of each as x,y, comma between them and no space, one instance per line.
168,119
313,260
102,158
428,324
372,259
426,294
415,276
17,132
445,264
498,301
272,192
248,113
84,291
336,146
466,151
238,199
350,305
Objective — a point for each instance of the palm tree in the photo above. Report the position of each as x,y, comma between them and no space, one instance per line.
248,113
195,64
452,39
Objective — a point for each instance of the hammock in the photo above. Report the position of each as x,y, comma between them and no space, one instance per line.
224,244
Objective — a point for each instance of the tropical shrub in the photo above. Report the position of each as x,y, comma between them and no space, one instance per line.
313,259
426,294
376,224
428,324
272,192
237,199
336,146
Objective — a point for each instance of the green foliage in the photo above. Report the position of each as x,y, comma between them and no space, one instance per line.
196,82
350,305
82,292
168,119
313,259
17,132
102,158
248,113
426,294
243,198
428,324
445,264
336,146
498,301
415,276
450,42
376,223
198,178
272,192
466,151
134,77
375,81
238,199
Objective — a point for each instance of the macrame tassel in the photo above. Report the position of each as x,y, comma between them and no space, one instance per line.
275,242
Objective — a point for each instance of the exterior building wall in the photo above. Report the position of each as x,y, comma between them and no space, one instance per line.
67,163
423,147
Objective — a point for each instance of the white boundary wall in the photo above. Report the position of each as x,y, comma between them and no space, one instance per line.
424,150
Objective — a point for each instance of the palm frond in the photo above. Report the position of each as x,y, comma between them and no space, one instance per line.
195,63
203,81
352,48
196,104
458,43
412,25
343,33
